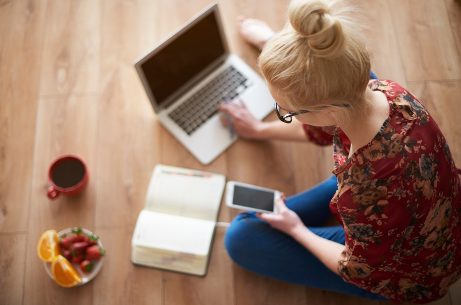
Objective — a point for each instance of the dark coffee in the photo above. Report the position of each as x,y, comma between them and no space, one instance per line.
68,172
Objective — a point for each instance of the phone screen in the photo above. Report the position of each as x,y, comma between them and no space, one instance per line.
254,198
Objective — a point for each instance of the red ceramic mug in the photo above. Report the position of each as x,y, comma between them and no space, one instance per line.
67,175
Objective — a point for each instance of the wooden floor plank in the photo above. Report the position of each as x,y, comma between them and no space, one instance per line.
446,300
21,30
71,48
120,281
6,17
454,13
455,293
19,81
381,39
253,289
126,137
426,42
127,127
12,265
320,297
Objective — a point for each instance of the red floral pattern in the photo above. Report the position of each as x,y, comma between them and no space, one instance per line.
399,200
318,135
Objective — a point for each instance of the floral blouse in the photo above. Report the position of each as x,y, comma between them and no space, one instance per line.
399,201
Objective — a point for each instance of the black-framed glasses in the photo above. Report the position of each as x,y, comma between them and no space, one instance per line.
287,116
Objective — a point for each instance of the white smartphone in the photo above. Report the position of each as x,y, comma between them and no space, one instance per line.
250,197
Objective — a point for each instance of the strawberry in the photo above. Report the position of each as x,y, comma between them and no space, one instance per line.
79,247
80,238
86,266
94,253
67,254
66,242
77,259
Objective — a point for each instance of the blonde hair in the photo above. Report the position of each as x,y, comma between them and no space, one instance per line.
318,57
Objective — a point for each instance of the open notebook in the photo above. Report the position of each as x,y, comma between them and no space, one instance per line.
175,229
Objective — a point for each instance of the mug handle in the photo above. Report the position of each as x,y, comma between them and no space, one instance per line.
52,192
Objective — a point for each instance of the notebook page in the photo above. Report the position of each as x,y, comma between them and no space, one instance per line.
173,233
185,192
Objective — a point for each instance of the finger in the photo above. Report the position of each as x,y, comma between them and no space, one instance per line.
227,109
224,106
280,205
262,216
267,217
230,107
239,103
224,118
283,197
238,117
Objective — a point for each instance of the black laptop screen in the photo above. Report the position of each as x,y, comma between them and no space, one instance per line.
183,58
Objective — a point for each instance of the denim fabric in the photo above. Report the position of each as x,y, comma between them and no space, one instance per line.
257,247
373,75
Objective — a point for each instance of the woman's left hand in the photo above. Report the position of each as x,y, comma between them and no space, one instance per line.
284,220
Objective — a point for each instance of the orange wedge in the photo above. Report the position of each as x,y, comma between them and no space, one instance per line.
48,246
64,274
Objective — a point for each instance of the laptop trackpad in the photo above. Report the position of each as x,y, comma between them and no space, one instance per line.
207,142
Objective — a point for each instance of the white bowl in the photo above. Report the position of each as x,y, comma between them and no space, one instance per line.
86,277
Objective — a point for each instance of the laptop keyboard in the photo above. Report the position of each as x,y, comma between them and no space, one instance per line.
203,104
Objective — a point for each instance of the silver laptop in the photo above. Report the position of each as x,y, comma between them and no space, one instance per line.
190,74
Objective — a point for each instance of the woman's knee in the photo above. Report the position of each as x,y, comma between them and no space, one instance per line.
242,236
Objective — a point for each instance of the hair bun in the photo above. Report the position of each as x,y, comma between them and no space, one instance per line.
312,20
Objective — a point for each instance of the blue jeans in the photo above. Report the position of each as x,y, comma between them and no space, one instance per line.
373,75
257,247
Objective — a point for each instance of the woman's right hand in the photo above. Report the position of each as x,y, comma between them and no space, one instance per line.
243,122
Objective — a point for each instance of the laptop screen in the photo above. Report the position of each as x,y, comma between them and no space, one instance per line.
183,58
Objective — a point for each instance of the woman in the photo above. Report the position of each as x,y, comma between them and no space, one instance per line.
396,191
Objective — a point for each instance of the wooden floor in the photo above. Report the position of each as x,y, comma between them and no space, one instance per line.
67,85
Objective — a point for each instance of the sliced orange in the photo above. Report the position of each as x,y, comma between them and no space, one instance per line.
48,246
64,274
